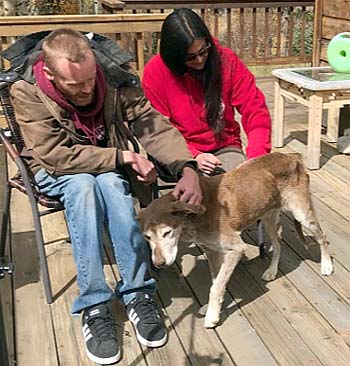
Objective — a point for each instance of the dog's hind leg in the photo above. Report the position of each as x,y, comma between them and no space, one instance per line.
305,214
273,229
218,288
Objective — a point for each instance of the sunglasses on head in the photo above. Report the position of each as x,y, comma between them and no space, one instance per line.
202,52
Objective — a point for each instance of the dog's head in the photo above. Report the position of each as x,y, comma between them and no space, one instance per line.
161,223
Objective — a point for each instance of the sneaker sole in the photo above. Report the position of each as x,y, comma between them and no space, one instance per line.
152,344
103,361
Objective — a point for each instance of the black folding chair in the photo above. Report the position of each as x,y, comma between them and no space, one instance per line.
12,141
165,180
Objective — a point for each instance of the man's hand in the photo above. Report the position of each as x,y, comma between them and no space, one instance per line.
207,162
144,168
188,188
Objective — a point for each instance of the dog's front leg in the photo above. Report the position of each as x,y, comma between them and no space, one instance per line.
215,260
217,290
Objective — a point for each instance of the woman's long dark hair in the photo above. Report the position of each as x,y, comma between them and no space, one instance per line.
180,29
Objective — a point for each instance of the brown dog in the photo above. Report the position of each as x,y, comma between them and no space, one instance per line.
258,189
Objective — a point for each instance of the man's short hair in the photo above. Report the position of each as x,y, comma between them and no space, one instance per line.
64,43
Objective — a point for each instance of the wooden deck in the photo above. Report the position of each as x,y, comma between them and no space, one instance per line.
299,319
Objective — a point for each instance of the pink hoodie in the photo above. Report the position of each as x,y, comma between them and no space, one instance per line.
182,100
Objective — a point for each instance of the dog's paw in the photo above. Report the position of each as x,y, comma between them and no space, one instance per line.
327,267
211,321
209,324
270,274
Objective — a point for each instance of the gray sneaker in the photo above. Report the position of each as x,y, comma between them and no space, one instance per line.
99,334
144,314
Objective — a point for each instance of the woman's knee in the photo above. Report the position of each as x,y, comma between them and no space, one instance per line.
231,159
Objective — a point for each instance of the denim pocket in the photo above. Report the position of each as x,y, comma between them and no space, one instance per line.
44,181
40,176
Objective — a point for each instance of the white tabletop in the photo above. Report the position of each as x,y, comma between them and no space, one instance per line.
314,78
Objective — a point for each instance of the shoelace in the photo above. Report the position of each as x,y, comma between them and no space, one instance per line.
147,310
102,328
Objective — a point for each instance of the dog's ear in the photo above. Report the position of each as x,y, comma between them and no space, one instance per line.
139,214
186,208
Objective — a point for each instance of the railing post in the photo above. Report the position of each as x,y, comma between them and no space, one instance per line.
112,6
316,42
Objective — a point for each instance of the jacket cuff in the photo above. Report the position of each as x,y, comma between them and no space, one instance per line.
119,161
190,164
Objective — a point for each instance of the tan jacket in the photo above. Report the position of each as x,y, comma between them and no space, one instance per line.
53,143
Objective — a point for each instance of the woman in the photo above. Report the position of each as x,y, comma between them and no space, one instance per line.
199,84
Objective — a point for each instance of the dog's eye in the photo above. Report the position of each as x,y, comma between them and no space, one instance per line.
167,233
147,237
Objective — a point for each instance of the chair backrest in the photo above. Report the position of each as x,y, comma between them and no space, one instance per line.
12,135
9,112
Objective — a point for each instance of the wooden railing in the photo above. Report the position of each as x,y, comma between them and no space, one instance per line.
261,33
120,27
274,32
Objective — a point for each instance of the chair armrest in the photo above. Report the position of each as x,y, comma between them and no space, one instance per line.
4,139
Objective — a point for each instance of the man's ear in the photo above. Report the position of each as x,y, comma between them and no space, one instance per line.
48,73
186,208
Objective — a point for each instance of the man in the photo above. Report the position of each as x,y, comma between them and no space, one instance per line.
73,123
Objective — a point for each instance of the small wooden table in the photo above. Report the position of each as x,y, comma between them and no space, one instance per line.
318,88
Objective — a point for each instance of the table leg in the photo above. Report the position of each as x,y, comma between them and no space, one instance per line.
314,133
278,120
333,124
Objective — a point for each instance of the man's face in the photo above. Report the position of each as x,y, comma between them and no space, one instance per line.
76,81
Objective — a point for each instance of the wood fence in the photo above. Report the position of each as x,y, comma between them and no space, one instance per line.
261,33
114,25
274,32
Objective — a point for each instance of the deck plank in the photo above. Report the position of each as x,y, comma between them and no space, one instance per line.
251,350
7,332
201,345
313,287
283,341
68,333
34,331
339,280
324,341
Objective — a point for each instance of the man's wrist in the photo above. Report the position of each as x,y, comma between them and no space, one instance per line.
119,161
124,157
190,164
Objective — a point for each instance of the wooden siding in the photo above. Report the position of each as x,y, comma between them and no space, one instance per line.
331,17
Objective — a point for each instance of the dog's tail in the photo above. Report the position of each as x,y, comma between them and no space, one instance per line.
298,170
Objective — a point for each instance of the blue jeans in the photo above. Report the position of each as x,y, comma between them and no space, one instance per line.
91,203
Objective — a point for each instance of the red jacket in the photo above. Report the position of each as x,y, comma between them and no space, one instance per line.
182,100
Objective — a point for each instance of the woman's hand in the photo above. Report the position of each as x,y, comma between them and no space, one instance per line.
207,162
